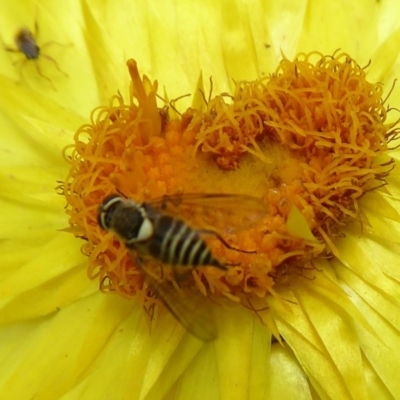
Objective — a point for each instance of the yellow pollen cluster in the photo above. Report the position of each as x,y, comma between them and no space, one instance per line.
309,140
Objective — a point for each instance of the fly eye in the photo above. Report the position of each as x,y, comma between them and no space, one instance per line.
103,219
106,211
110,200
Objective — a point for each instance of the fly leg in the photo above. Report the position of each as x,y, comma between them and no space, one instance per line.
210,232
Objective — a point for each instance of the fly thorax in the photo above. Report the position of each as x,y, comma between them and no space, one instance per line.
131,224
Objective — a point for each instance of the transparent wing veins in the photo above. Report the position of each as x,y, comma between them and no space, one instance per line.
190,311
226,212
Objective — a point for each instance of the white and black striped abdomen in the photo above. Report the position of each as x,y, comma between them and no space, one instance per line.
175,243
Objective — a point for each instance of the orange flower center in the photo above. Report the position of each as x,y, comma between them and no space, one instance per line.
309,140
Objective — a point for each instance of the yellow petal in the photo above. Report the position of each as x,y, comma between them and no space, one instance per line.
287,379
51,351
58,339
298,225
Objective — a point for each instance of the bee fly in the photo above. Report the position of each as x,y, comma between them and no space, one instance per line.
158,229
163,237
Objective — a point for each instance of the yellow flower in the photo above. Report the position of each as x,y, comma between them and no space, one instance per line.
60,337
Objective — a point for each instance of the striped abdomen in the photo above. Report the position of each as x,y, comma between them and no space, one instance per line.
175,243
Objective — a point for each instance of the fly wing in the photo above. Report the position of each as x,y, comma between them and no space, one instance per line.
227,213
190,311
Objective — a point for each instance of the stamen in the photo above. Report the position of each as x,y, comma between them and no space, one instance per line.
312,136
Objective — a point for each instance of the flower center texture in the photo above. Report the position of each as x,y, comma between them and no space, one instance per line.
308,140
